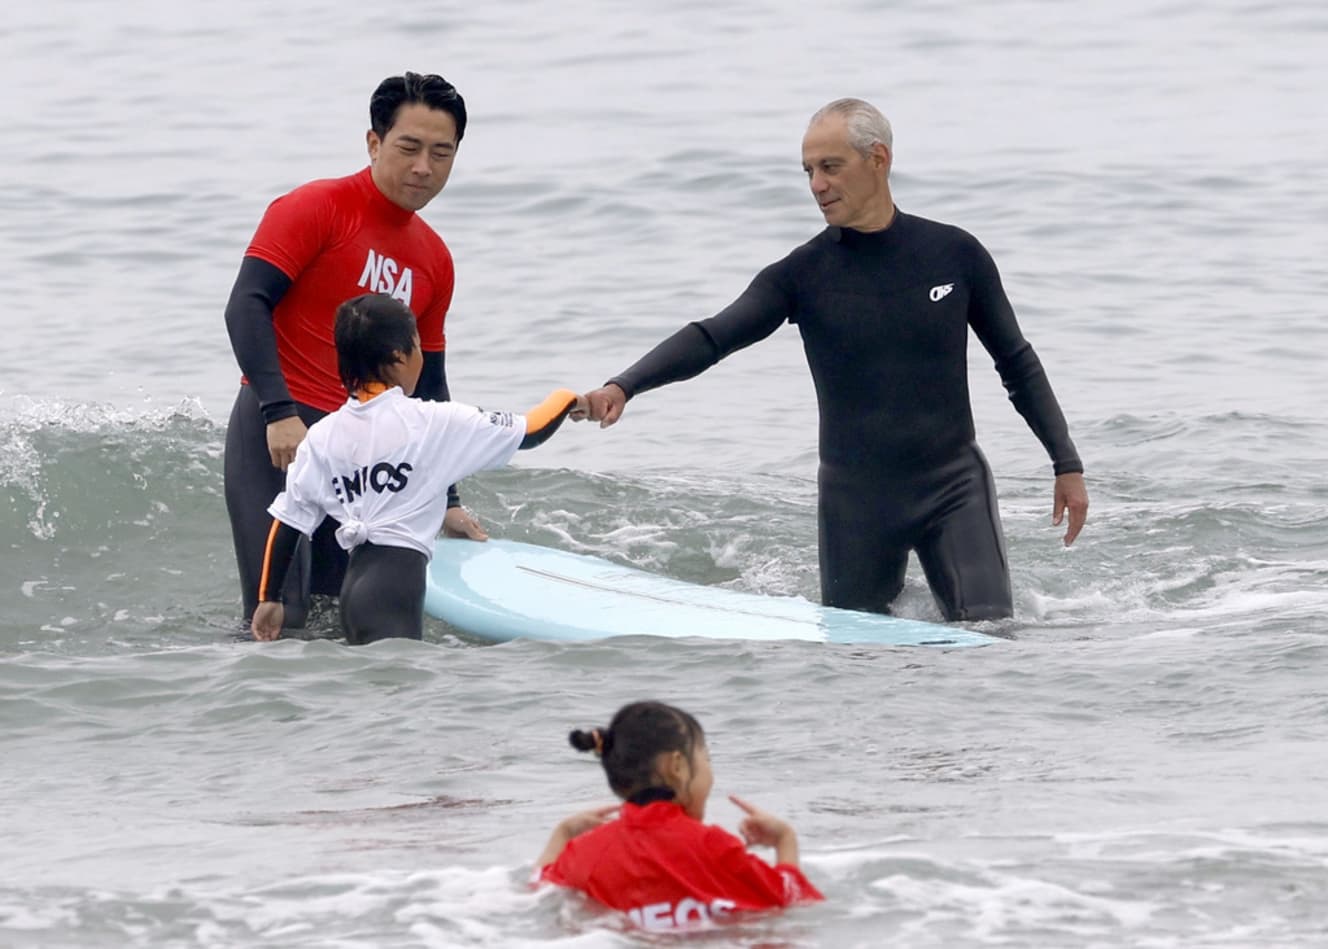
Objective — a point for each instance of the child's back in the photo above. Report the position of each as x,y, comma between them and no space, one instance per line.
657,861
380,466
666,869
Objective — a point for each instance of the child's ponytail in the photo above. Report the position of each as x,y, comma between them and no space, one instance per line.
637,736
596,740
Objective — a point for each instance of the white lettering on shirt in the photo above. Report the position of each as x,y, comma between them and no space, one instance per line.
381,276
688,913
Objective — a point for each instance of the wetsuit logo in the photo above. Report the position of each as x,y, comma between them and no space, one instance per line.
384,275
381,477
939,293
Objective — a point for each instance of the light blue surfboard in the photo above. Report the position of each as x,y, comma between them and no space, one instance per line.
503,589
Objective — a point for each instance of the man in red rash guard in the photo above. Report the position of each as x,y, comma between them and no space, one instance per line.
316,247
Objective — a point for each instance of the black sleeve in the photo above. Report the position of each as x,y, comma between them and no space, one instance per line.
1030,391
698,346
281,543
258,289
432,387
1020,369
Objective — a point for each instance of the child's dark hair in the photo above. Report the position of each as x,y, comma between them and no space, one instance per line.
638,734
372,332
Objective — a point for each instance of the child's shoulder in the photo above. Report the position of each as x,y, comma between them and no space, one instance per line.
328,421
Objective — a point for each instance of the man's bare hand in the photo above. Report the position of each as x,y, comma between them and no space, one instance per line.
1071,494
604,405
283,437
458,522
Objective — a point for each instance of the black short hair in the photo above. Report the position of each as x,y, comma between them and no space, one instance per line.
428,89
639,733
372,331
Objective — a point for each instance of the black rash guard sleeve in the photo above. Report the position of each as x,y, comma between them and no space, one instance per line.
993,321
258,289
699,345
281,541
432,387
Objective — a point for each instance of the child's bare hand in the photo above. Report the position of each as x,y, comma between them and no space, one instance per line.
578,824
760,827
267,621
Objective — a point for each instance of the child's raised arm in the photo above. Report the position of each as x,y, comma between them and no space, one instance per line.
543,420
569,827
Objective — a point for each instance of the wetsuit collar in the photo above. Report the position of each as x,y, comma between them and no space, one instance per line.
841,235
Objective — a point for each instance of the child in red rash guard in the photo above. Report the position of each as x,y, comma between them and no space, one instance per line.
657,862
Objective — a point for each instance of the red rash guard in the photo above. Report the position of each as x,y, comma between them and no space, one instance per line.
668,871
335,239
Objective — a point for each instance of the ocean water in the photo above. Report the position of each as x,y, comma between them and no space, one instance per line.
1140,764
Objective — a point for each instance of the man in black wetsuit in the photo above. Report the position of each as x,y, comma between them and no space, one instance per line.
884,301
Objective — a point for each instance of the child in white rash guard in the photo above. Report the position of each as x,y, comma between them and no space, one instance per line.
381,465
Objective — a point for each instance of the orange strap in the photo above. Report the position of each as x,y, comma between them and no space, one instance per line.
282,540
267,561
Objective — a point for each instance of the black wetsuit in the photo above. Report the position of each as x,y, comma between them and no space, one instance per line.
884,318
251,480
381,595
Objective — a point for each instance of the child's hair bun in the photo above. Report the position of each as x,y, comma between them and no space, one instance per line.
582,741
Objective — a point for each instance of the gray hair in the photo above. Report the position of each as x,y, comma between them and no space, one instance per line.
866,124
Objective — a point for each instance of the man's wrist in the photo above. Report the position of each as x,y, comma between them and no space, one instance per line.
276,411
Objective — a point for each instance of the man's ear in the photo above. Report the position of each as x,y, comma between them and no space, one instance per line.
882,157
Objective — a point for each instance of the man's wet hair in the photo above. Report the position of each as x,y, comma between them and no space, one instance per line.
639,733
427,89
372,332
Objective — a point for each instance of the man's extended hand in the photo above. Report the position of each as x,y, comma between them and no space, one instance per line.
604,405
